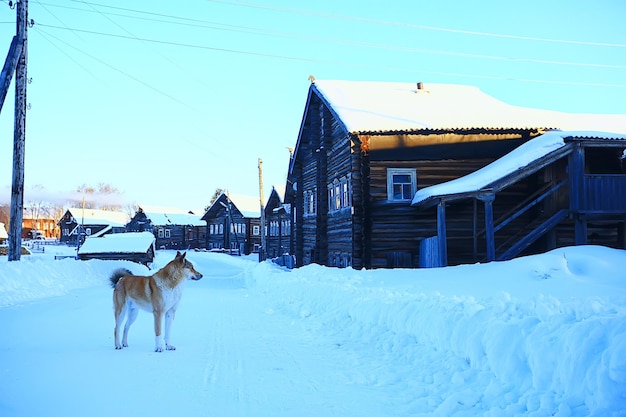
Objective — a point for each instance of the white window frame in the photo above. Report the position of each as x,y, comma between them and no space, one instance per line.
339,194
411,172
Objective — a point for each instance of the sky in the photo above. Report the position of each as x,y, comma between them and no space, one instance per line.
168,102
543,335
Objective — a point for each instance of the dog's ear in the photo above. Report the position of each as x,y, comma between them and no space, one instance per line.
178,254
182,256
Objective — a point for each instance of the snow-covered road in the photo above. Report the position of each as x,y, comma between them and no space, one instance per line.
234,357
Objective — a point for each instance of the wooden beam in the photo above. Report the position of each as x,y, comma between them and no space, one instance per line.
489,229
15,50
441,233
576,192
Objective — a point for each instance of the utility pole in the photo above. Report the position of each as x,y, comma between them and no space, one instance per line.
262,254
19,137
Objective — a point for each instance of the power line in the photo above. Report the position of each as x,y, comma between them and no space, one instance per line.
191,22
412,25
120,71
351,64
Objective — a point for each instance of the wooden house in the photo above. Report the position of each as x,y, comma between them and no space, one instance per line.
78,223
134,246
365,148
278,226
234,224
560,189
173,229
39,227
3,233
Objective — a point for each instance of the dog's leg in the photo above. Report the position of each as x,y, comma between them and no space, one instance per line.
119,311
131,316
169,318
158,323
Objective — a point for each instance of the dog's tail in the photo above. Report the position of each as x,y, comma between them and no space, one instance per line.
117,275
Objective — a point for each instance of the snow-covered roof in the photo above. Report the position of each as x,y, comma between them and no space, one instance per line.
368,106
248,206
138,242
97,217
166,219
517,159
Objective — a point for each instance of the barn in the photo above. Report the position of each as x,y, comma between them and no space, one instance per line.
365,148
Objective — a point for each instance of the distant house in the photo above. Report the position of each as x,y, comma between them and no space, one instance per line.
3,233
78,223
136,247
173,229
560,189
38,227
234,224
278,226
365,148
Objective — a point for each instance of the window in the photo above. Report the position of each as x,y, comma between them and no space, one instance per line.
161,233
310,206
167,233
256,230
339,194
401,184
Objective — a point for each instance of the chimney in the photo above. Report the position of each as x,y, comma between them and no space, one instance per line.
420,85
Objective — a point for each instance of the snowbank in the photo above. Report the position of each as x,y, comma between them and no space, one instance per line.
537,336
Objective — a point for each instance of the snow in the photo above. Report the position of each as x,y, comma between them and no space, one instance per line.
131,242
543,335
370,106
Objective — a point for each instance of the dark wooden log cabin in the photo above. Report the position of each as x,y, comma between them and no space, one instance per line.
172,229
278,226
557,190
76,224
233,224
365,148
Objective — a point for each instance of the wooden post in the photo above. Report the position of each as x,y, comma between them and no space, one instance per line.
262,254
441,233
577,193
489,230
19,138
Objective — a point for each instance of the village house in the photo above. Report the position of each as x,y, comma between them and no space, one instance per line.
38,227
278,226
78,223
172,228
365,148
234,224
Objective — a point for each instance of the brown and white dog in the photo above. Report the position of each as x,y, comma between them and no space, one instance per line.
159,293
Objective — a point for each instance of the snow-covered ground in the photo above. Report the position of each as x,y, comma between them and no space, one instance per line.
537,336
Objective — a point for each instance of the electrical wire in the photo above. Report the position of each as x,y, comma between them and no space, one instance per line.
342,63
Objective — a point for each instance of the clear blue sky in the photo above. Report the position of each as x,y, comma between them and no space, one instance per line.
168,101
